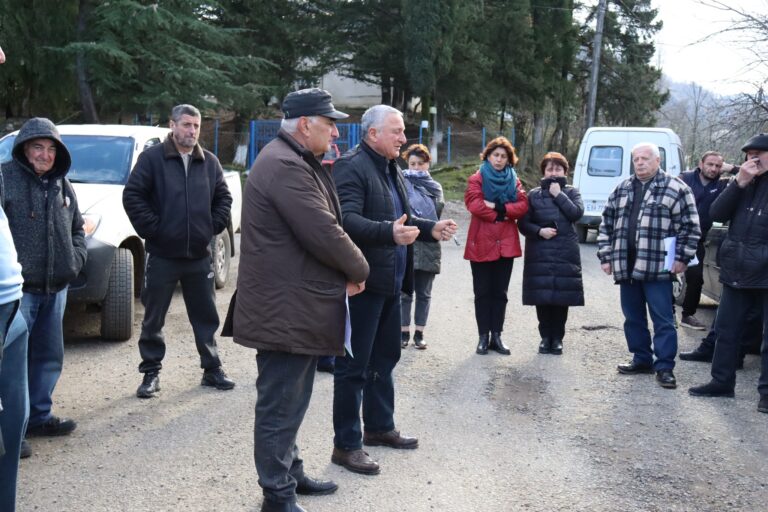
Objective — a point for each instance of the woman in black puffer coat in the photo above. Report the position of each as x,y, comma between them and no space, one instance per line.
552,271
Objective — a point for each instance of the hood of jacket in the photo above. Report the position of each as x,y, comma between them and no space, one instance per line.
42,128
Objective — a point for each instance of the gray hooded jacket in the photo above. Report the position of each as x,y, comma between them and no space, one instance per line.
42,212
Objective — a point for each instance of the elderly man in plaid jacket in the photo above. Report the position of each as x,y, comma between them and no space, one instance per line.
645,216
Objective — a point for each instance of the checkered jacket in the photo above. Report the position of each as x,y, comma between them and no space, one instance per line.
668,209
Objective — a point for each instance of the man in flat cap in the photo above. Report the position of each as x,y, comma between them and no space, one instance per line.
297,265
743,263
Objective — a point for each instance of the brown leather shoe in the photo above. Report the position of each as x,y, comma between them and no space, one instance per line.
356,461
392,439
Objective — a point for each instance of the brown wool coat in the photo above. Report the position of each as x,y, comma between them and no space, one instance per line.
295,258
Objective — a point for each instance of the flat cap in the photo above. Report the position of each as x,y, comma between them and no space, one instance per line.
310,102
759,142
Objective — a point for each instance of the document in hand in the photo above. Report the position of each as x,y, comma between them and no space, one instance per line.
670,247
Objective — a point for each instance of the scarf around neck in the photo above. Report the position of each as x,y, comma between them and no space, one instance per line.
499,186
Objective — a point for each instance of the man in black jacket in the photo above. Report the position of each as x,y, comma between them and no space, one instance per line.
377,216
743,261
177,200
48,233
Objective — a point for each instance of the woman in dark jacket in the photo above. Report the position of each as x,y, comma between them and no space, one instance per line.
426,198
552,271
496,199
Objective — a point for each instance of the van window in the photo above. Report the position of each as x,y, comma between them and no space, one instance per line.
605,161
662,154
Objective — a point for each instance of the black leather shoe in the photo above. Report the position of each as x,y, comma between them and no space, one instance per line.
216,378
762,405
392,439
557,347
545,346
326,365
356,461
26,450
309,486
666,379
498,345
405,337
149,385
700,353
55,426
280,506
482,344
418,340
633,368
712,389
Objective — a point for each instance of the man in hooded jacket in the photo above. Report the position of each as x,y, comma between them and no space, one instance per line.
47,230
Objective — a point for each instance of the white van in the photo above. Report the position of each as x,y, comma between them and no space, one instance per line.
605,160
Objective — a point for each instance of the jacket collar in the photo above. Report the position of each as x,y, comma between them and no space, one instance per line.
381,162
170,151
300,150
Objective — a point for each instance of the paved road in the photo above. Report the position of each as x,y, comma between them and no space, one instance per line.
524,432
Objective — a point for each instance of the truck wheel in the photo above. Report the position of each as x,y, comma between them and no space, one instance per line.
678,289
222,254
582,231
117,308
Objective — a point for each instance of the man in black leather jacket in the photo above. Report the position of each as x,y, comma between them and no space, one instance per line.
743,261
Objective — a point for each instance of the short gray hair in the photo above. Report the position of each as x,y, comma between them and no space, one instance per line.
184,109
653,147
292,125
374,117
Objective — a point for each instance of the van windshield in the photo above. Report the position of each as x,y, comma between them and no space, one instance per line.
605,161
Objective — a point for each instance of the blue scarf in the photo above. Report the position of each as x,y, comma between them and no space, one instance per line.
423,193
499,186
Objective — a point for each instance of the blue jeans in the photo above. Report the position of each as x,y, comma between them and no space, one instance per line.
637,299
44,314
13,418
366,379
423,289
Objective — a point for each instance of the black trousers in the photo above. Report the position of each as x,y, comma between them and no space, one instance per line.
284,388
552,321
490,281
197,286
694,281
365,380
753,330
730,326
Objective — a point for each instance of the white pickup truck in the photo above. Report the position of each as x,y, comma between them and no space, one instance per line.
102,159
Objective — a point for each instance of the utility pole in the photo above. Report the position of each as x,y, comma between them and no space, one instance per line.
597,47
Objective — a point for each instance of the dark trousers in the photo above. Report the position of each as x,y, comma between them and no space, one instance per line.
552,321
283,387
490,281
197,286
638,298
422,287
730,325
694,281
365,378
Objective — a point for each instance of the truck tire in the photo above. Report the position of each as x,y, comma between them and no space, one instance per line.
582,231
222,254
117,308
678,289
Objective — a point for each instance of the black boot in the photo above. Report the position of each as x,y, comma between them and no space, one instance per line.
557,347
498,345
482,344
545,345
405,337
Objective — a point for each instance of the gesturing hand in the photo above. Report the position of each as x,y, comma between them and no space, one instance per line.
444,229
402,234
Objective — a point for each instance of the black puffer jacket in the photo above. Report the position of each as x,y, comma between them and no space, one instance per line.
552,271
744,253
368,211
177,212
43,215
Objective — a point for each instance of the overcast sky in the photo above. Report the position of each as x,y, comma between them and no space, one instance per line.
719,63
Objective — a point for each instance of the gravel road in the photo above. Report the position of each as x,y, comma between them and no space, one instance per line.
524,432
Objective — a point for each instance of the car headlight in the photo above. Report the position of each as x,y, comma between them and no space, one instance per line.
91,223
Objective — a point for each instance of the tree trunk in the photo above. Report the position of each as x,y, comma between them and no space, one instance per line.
83,86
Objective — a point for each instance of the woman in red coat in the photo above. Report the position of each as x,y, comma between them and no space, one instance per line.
496,199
